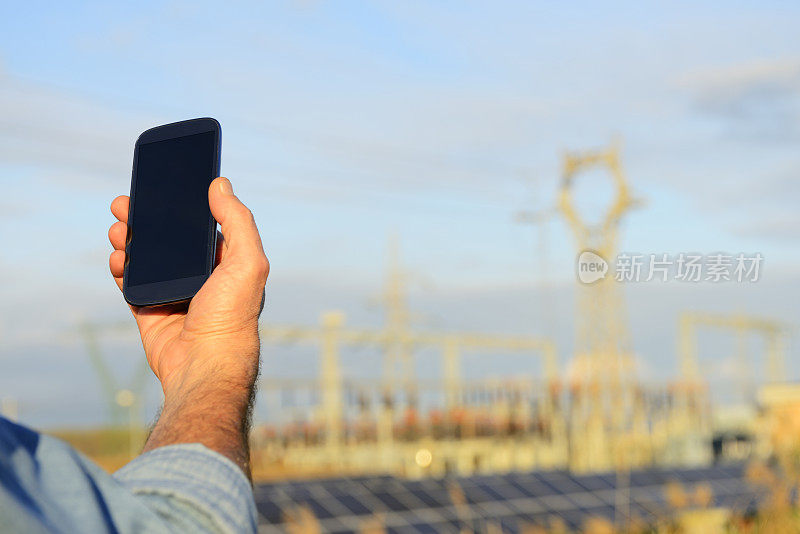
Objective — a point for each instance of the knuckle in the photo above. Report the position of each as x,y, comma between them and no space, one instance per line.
264,266
261,267
244,212
258,268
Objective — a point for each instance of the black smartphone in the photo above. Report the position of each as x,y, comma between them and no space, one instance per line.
171,242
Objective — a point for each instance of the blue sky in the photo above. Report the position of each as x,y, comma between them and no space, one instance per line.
346,122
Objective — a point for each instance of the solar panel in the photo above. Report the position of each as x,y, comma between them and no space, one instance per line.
560,482
434,498
510,524
391,502
594,483
509,502
585,499
317,507
270,511
607,496
474,494
500,490
646,478
356,506
691,475
527,506
573,518
493,509
650,493
609,478
603,511
640,511
530,487
427,528
556,502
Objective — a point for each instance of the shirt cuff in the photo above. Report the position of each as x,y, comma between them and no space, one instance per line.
198,476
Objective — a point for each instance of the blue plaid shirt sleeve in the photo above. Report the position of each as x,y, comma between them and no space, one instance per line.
202,486
46,486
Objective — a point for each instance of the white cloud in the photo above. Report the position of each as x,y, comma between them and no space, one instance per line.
50,128
756,101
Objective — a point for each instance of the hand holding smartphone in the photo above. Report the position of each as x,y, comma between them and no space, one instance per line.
170,248
205,354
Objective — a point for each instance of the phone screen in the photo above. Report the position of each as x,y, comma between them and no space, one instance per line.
170,219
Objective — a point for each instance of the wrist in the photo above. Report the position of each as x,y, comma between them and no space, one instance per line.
227,399
227,367
213,386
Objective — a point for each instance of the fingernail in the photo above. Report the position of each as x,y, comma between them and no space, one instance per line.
225,186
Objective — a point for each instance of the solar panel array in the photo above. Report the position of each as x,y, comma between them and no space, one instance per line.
510,501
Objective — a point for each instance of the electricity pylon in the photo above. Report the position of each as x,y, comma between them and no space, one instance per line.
119,399
602,371
398,359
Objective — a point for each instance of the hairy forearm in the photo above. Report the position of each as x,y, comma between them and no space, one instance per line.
215,413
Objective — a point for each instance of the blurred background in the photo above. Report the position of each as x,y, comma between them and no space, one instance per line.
424,176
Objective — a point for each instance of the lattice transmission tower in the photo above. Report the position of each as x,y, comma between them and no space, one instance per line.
602,373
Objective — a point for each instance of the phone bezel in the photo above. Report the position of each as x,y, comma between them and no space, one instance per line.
180,289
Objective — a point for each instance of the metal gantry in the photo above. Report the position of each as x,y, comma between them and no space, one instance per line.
331,336
774,333
398,342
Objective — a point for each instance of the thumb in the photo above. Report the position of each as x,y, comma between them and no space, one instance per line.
237,224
